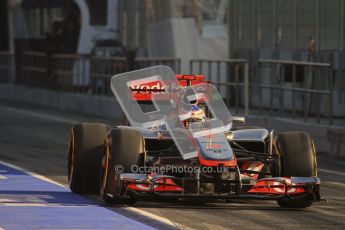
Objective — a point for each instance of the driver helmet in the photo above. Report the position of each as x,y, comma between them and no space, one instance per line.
198,114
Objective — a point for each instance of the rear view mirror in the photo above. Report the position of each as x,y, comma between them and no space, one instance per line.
238,120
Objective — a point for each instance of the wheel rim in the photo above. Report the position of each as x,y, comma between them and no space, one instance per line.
72,157
315,159
105,164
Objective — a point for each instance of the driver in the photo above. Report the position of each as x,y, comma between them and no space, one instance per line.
194,114
198,114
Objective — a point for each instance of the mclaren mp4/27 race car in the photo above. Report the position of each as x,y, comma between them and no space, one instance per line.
128,163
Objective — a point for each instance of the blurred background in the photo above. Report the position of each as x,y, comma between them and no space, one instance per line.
270,58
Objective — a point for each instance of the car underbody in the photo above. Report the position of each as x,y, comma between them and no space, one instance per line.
254,175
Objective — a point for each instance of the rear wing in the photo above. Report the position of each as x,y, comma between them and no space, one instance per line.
143,92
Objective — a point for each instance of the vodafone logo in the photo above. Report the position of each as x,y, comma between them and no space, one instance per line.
154,87
147,88
143,91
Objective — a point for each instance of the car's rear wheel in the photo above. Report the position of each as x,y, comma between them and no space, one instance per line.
297,159
84,157
124,149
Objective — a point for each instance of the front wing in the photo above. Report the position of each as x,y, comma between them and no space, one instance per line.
274,188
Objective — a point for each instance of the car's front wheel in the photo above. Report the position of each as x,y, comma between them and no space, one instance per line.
124,149
84,157
297,159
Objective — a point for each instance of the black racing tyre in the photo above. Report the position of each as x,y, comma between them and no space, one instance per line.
84,157
124,148
297,152
297,159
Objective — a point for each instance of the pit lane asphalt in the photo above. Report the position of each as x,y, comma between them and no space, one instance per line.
36,139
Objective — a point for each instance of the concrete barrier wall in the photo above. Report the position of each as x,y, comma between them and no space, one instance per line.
87,104
328,139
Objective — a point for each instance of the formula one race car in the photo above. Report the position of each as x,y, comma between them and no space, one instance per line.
124,163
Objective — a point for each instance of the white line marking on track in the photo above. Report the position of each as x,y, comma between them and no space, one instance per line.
41,115
331,171
33,174
334,183
23,205
7,201
43,205
152,216
2,177
132,209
